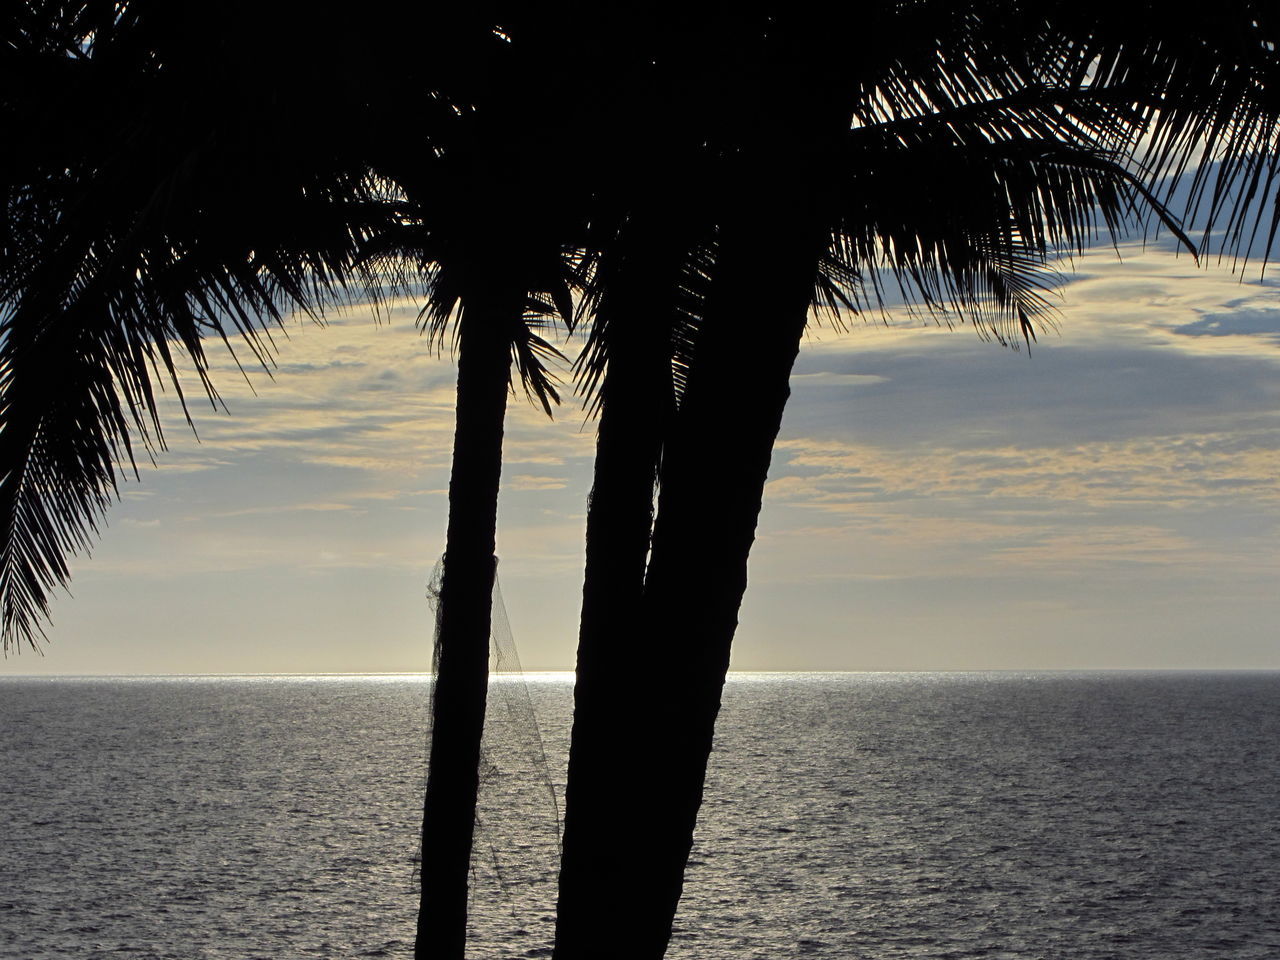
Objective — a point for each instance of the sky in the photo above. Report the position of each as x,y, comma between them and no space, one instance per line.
936,501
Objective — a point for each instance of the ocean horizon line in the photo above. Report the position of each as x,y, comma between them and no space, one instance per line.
553,675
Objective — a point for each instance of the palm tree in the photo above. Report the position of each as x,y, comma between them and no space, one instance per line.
492,325
159,227
499,299
652,245
494,232
644,324
967,152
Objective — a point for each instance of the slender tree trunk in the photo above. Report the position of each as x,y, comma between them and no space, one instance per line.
637,400
466,592
713,479
714,466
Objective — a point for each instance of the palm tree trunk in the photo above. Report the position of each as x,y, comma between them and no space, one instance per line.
462,665
713,482
608,715
714,466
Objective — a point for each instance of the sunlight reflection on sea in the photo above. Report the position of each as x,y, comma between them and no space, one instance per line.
1081,816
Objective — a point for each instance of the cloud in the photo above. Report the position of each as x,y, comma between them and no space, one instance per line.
292,508
525,481
1263,321
299,368
826,379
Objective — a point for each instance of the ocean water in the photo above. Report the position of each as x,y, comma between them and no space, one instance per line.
847,816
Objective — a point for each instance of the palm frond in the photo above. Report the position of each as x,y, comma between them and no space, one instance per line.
123,250
647,295
970,230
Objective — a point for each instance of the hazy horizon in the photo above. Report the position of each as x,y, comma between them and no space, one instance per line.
568,674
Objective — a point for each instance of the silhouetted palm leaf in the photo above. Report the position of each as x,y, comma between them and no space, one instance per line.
126,245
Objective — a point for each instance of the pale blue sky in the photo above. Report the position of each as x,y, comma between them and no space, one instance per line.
936,502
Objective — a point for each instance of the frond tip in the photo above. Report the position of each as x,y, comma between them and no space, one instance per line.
54,486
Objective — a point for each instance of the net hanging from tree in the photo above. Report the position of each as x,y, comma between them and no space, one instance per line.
517,838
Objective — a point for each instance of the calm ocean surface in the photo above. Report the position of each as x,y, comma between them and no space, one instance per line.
868,816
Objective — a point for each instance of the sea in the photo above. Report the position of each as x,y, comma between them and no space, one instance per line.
1078,816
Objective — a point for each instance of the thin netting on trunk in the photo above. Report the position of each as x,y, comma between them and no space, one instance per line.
517,839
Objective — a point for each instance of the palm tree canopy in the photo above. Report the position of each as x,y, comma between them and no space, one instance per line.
171,176
981,141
